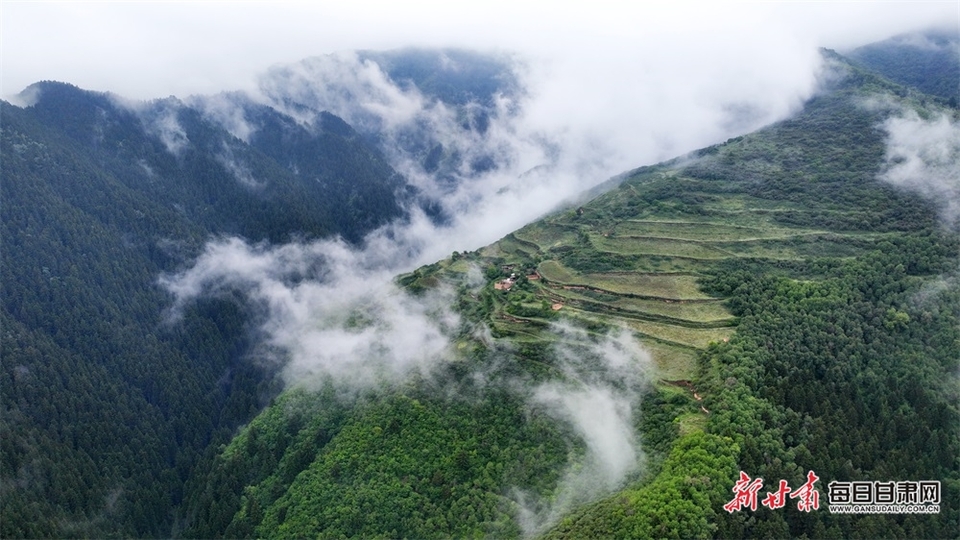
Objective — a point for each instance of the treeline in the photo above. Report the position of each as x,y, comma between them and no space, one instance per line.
852,377
413,461
107,406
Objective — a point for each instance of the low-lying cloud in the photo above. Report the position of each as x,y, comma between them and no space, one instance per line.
923,156
356,90
329,309
544,142
324,310
598,396
240,172
490,182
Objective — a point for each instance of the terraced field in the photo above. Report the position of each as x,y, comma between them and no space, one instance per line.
700,312
546,236
656,286
636,256
698,231
652,245
621,261
667,311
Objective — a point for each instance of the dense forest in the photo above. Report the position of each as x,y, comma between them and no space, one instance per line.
767,306
840,289
106,407
927,61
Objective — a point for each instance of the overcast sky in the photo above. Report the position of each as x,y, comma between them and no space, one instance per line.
155,49
612,85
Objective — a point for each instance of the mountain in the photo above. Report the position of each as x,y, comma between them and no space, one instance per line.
928,61
776,305
781,303
110,398
456,77
107,405
428,110
285,180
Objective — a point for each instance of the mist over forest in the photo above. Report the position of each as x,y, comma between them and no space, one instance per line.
457,292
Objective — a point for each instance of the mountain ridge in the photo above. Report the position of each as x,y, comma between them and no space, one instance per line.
928,61
96,206
766,232
787,224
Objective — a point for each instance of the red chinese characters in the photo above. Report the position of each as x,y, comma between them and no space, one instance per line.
809,498
777,499
745,494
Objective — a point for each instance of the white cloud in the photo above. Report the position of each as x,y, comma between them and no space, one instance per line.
239,170
598,397
165,125
923,156
922,42
226,110
327,309
155,49
575,124
551,141
356,90
613,85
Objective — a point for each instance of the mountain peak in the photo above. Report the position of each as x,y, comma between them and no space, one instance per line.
928,61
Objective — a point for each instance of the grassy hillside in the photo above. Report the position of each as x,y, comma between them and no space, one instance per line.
775,283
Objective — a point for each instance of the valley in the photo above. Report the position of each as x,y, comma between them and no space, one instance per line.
757,294
206,333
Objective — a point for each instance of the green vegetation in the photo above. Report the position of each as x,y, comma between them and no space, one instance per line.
928,61
651,245
681,502
779,289
699,231
800,315
108,408
368,482
837,370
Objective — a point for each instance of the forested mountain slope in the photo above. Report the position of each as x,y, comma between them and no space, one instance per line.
796,313
928,61
287,179
107,406
430,111
110,399
782,303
